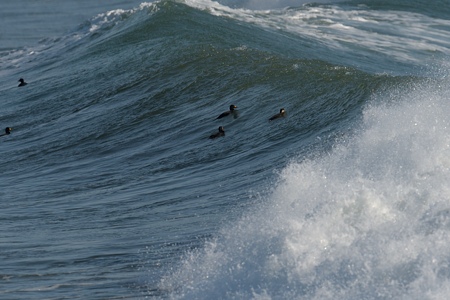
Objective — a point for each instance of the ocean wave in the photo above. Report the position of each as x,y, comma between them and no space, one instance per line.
369,220
109,153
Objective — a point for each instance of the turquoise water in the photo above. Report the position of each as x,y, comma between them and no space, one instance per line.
111,188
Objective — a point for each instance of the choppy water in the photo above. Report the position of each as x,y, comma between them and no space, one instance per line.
111,189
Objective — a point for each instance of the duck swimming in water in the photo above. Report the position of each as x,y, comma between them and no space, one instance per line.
22,82
218,134
7,131
279,115
227,113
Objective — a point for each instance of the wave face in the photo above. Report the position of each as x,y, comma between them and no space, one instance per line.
111,187
369,220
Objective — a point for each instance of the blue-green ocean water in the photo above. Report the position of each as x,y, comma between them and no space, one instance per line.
111,189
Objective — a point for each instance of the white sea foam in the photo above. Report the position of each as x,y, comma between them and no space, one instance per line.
11,61
370,220
113,17
406,37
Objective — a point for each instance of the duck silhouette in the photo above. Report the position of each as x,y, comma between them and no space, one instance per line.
227,113
7,131
218,134
281,114
22,82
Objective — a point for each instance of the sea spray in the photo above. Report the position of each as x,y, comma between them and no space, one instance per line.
370,219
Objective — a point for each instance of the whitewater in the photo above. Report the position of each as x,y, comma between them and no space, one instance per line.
111,189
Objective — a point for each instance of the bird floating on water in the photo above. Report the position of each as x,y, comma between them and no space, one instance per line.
7,131
218,134
281,114
229,112
22,82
